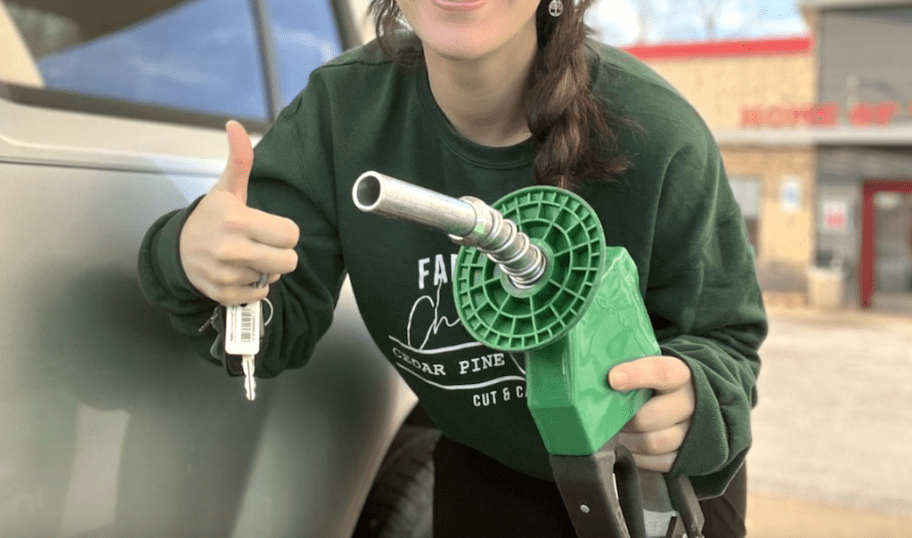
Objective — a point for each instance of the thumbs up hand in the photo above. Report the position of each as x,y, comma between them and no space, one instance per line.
225,246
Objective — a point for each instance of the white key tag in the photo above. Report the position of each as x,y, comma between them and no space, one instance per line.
242,337
242,328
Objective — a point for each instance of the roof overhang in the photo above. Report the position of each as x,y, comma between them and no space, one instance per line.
720,47
809,7
823,4
893,135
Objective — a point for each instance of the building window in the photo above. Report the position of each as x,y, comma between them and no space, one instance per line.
748,195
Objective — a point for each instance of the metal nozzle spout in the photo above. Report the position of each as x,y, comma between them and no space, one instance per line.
468,221
376,193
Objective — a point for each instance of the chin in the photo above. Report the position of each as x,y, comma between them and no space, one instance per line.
456,54
461,47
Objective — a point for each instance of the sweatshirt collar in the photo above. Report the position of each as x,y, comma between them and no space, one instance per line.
484,156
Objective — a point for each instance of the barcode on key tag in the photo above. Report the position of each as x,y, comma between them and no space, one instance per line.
242,329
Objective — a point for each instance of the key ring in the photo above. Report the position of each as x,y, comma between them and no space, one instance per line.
271,312
261,283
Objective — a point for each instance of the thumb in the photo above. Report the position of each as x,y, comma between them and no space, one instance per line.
240,159
662,373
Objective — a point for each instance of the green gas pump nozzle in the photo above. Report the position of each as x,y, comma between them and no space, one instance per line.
534,275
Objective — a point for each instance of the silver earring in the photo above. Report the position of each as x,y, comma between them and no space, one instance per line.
555,8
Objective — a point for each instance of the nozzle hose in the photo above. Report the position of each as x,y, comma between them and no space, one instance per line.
468,221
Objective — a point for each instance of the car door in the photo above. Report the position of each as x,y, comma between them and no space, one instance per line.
112,116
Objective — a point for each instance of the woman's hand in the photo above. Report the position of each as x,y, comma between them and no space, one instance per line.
658,429
226,246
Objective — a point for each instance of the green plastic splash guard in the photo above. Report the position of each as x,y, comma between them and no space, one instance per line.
505,317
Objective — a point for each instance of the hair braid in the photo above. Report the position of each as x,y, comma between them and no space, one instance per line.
569,124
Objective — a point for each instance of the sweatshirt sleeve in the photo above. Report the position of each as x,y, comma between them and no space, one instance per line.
706,308
164,283
280,184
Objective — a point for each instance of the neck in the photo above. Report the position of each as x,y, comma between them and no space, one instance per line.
482,97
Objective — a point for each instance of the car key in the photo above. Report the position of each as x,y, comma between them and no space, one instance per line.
243,327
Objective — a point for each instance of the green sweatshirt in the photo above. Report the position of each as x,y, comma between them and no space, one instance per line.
674,212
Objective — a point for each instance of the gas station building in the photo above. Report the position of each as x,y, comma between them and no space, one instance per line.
816,135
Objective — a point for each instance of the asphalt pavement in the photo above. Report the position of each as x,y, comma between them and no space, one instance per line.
832,451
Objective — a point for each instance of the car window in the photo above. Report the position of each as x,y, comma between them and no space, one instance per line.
306,36
193,55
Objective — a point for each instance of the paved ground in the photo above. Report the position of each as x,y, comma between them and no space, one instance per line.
778,517
832,453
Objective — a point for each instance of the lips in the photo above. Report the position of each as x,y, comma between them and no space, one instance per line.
451,5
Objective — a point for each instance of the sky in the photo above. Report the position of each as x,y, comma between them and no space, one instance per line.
618,23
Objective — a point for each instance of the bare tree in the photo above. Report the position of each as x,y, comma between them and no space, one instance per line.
695,19
644,10
710,11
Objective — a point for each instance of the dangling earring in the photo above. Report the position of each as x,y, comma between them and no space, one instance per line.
555,8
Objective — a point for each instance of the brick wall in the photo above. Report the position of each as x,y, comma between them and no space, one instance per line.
720,87
720,79
785,238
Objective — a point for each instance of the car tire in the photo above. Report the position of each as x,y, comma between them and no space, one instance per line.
400,502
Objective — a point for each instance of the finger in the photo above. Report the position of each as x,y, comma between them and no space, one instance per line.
271,229
270,260
661,373
241,295
237,290
658,442
662,411
236,175
228,276
255,258
659,464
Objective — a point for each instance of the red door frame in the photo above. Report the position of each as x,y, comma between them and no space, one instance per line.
869,232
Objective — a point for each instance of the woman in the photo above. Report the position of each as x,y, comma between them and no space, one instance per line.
483,97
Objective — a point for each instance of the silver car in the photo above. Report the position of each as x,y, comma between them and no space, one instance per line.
112,114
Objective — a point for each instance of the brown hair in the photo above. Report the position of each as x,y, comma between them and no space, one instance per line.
571,127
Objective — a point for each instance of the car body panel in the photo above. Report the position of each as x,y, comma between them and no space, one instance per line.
111,424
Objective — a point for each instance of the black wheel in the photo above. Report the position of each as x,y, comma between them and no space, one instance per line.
400,502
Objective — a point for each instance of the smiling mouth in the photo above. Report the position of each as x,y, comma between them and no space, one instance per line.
457,5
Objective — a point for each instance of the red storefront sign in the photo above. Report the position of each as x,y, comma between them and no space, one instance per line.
835,216
820,115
